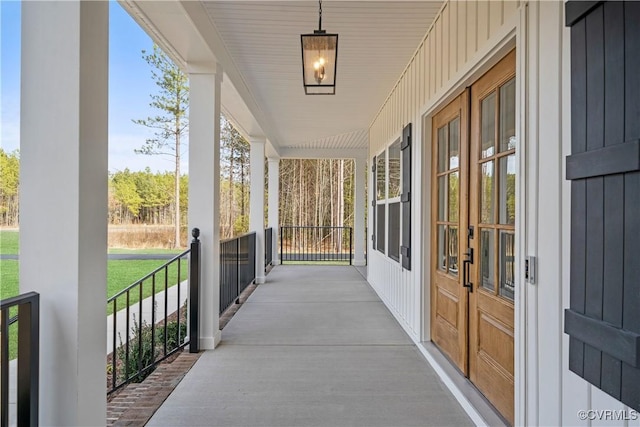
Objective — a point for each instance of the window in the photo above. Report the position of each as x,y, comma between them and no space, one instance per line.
381,184
381,195
388,205
394,231
392,202
394,170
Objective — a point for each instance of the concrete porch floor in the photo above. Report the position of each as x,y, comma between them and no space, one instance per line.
313,346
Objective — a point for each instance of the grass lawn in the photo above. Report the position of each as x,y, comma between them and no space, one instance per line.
9,242
145,251
315,262
8,289
120,274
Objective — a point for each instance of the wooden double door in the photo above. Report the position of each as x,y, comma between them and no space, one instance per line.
473,233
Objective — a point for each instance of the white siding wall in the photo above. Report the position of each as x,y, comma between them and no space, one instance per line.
456,41
462,43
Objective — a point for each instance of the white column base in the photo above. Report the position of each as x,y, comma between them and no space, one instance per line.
259,280
210,343
359,262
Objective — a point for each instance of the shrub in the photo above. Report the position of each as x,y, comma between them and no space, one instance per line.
141,354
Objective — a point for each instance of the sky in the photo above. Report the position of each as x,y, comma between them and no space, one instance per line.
130,87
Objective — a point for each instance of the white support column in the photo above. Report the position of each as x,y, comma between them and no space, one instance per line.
204,193
359,212
63,201
256,201
274,205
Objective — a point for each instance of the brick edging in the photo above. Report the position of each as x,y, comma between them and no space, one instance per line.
136,403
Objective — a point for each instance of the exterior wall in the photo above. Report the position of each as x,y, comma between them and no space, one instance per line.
463,42
456,41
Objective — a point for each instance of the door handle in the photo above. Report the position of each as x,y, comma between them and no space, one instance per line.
465,270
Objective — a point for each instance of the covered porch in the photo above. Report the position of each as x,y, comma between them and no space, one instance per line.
464,109
274,115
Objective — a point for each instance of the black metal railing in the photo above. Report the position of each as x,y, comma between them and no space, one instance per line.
28,354
237,267
149,338
268,247
316,244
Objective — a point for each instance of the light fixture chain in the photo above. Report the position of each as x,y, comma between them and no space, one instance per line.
320,16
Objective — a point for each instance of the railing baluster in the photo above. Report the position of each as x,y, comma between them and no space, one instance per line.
4,387
126,340
166,305
140,344
153,317
115,344
350,246
178,301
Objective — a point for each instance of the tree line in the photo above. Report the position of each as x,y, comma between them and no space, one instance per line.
9,178
146,197
317,192
312,192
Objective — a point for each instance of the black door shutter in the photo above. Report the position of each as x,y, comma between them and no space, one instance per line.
603,320
374,197
405,198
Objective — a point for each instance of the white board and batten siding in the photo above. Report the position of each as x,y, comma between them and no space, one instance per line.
461,44
450,48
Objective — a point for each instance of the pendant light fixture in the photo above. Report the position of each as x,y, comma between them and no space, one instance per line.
319,60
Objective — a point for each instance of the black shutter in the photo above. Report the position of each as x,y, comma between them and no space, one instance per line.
603,320
374,197
405,198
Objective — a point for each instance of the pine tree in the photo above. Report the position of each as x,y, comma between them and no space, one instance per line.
170,124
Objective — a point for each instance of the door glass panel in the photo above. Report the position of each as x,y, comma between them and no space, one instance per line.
508,189
454,143
486,259
454,186
442,197
507,264
453,250
442,149
488,123
508,116
486,193
381,185
442,258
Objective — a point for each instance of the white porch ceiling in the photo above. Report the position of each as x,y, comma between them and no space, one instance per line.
262,60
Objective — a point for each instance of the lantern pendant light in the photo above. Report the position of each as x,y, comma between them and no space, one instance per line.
319,60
